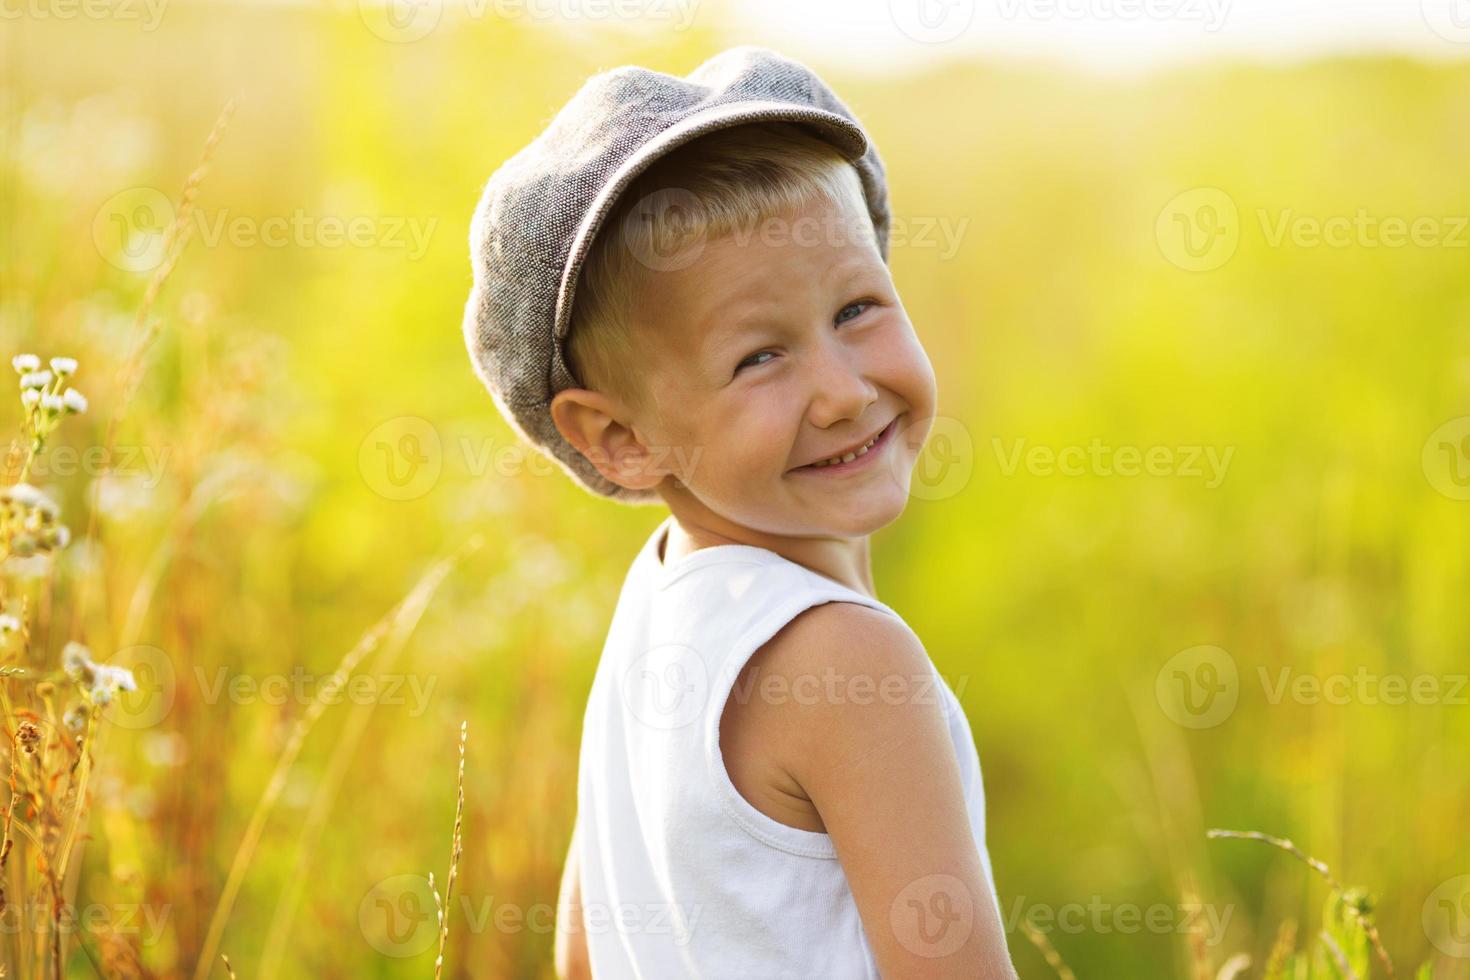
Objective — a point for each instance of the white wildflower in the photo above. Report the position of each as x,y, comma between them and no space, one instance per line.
30,397
27,498
64,365
76,660
25,495
99,681
48,507
9,624
74,401
118,677
76,717
25,363
35,379
52,403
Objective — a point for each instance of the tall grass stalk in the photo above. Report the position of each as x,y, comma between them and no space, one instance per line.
1321,868
408,610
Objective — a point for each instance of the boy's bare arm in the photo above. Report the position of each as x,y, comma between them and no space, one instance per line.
881,771
571,960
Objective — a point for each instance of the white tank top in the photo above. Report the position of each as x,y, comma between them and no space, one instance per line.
681,875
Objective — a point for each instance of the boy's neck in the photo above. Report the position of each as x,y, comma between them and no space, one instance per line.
844,560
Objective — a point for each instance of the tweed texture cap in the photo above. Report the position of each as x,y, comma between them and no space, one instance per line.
540,210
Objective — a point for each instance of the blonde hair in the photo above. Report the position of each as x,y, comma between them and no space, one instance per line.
733,178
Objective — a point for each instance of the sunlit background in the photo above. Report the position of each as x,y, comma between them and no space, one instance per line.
1191,540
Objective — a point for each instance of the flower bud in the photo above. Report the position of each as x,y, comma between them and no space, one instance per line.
74,400
29,736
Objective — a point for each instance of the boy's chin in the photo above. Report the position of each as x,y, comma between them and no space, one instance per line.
855,515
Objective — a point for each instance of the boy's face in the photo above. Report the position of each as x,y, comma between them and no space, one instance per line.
777,347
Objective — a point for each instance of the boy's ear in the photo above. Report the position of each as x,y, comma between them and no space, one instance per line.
589,421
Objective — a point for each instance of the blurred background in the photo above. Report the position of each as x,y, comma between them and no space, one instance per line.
1191,540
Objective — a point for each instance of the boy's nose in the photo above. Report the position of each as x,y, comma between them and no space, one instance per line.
841,389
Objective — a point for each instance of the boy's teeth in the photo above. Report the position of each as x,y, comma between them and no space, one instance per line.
849,457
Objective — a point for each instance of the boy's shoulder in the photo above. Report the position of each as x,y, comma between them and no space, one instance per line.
847,634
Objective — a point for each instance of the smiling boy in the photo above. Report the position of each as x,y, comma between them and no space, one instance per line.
682,294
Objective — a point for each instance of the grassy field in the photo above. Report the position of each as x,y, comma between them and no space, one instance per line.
1192,540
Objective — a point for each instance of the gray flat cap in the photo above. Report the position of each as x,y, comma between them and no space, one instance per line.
539,211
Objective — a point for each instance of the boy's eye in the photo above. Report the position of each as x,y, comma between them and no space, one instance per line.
852,306
751,360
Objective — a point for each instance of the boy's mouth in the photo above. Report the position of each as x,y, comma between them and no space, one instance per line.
859,457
